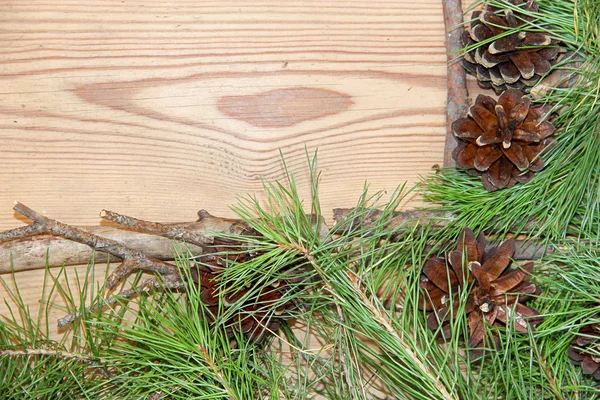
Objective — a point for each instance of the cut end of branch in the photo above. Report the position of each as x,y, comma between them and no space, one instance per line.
203,214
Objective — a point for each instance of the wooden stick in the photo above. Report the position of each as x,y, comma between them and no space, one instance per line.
525,250
47,225
457,103
202,238
30,252
436,218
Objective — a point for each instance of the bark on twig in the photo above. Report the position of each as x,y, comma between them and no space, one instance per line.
46,225
133,260
30,252
435,218
149,286
457,103
49,353
525,250
201,238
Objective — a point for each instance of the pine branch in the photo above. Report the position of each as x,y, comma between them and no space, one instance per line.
215,369
50,353
385,323
149,286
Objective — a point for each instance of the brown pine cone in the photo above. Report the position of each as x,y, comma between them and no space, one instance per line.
259,316
585,350
514,61
495,290
503,141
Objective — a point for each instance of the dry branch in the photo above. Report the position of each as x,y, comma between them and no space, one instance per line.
64,355
133,260
525,250
150,285
29,252
457,103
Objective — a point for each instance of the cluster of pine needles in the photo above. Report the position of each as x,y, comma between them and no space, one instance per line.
357,330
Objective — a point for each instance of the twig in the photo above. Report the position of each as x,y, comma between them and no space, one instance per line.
48,353
199,238
525,250
148,286
554,387
132,259
92,362
457,103
341,320
434,218
35,252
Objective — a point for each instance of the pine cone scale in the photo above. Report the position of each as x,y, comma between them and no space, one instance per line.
476,329
466,128
464,154
496,261
585,347
437,274
512,57
516,155
510,73
499,173
589,366
485,157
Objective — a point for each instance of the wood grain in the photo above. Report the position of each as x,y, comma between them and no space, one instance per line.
159,108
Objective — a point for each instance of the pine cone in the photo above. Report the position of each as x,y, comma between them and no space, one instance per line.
494,289
503,141
258,316
514,61
585,350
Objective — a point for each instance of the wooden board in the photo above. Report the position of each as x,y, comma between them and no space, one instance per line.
159,108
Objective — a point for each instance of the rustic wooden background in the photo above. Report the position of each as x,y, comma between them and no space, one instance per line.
159,108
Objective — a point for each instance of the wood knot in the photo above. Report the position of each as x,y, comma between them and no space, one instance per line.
281,108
